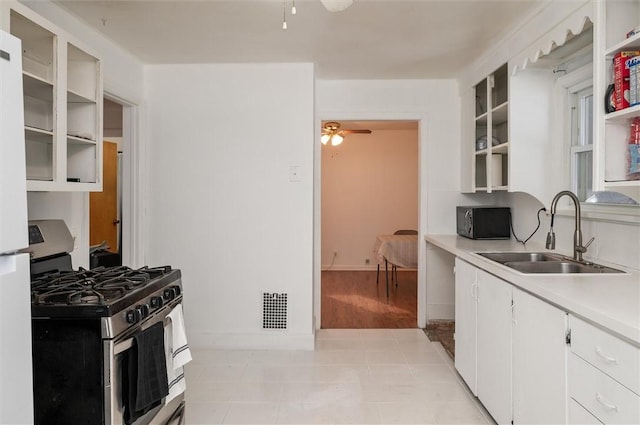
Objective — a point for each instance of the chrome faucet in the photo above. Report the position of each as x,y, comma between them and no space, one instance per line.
578,248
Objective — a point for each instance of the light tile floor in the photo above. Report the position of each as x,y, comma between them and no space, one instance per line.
363,376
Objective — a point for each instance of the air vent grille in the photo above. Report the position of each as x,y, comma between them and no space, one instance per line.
274,310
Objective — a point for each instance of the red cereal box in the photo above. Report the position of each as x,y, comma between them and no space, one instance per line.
621,78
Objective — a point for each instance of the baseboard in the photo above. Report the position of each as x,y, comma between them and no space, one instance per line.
268,340
347,268
441,312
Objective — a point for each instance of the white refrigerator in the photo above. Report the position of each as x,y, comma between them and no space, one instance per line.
16,393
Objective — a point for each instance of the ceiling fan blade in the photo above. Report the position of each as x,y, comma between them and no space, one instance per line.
356,131
336,5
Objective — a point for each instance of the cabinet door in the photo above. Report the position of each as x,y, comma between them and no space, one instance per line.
16,389
13,199
539,361
494,346
465,334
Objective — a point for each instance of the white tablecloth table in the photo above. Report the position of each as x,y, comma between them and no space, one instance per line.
399,250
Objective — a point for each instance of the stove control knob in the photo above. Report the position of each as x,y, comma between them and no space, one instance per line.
169,294
156,302
134,316
144,310
177,289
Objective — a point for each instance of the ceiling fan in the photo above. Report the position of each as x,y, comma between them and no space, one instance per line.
336,5
331,132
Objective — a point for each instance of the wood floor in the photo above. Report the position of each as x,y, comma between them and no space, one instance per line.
352,300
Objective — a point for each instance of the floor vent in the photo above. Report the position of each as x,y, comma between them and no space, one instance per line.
274,311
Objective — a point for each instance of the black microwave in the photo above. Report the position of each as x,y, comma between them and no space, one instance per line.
483,222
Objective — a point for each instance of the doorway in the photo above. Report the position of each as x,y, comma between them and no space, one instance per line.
105,217
369,186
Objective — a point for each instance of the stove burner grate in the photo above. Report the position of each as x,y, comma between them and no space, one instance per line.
99,286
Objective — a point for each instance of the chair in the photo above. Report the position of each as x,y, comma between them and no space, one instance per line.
394,268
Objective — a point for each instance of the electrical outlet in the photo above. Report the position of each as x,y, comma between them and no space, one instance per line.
367,261
335,253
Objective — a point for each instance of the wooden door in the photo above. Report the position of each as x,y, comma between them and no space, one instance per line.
103,206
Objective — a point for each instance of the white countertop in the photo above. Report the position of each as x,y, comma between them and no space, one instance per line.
609,300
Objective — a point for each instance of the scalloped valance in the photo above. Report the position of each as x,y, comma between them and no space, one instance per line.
558,36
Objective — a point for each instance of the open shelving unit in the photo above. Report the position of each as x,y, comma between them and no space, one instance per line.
62,86
615,132
491,126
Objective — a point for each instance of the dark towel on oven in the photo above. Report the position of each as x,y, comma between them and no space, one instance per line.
145,380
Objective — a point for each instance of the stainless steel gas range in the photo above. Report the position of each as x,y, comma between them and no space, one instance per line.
99,345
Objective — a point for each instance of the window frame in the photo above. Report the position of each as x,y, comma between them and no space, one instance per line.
578,136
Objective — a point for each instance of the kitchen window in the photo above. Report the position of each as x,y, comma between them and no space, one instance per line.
581,151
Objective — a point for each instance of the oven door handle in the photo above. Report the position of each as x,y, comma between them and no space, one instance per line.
123,346
128,343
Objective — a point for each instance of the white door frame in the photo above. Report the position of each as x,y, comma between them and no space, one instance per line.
132,184
422,202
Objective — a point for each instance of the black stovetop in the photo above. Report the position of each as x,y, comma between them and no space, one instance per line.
99,292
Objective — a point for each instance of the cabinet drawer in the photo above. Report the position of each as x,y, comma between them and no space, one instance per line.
605,398
615,357
578,415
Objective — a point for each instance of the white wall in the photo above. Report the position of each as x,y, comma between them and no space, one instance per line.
123,72
222,207
616,241
436,104
369,187
71,207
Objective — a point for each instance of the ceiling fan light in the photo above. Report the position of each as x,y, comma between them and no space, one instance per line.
336,139
325,138
336,5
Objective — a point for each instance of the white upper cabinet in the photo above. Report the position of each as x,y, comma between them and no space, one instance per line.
491,132
62,84
556,133
520,134
617,19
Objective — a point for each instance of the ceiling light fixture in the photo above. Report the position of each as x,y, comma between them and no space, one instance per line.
336,5
293,8
331,133
284,15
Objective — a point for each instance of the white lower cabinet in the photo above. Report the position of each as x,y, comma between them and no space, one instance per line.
603,374
510,349
466,332
578,415
483,338
494,346
539,361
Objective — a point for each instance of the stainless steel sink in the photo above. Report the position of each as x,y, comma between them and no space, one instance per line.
507,257
544,262
559,267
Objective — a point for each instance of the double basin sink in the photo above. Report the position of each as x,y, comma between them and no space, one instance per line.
544,262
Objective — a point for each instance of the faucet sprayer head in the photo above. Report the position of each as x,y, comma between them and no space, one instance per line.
551,240
551,237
